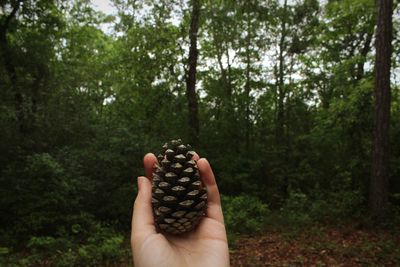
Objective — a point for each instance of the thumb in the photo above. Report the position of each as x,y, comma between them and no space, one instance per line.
142,219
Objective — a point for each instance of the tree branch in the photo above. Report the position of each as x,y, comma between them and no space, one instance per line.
11,16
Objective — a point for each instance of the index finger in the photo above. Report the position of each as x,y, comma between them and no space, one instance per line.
149,162
214,209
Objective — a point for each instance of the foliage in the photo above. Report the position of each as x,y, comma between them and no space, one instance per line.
338,207
243,214
295,210
285,93
92,246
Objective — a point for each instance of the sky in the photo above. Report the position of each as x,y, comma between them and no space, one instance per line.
107,8
104,6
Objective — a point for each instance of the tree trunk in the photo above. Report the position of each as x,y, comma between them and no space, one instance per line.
9,65
280,130
364,52
247,84
280,118
378,195
191,74
225,77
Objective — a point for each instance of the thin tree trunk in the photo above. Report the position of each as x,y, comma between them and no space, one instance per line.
191,75
378,195
364,52
9,65
281,94
280,83
247,85
225,73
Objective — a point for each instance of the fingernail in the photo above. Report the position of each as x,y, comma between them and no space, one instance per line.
206,160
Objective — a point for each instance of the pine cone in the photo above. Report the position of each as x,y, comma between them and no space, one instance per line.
179,197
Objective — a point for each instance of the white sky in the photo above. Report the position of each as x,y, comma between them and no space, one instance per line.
104,6
107,8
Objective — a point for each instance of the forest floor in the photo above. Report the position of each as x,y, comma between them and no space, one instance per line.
318,246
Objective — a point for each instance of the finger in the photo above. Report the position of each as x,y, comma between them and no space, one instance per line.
142,219
214,209
149,161
196,156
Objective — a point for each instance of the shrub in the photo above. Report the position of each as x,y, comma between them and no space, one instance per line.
100,245
244,214
301,209
103,246
295,210
336,206
40,183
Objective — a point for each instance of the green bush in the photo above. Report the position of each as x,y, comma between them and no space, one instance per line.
99,245
244,214
301,209
104,246
336,206
297,202
42,188
295,210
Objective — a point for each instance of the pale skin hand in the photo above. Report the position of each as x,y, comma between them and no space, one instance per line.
205,246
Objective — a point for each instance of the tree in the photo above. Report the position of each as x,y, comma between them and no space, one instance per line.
191,74
378,198
343,42
6,57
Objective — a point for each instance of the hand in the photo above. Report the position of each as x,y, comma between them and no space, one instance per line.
205,246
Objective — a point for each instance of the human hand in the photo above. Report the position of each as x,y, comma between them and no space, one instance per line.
205,246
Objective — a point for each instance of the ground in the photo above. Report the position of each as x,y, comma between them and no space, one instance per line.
318,246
